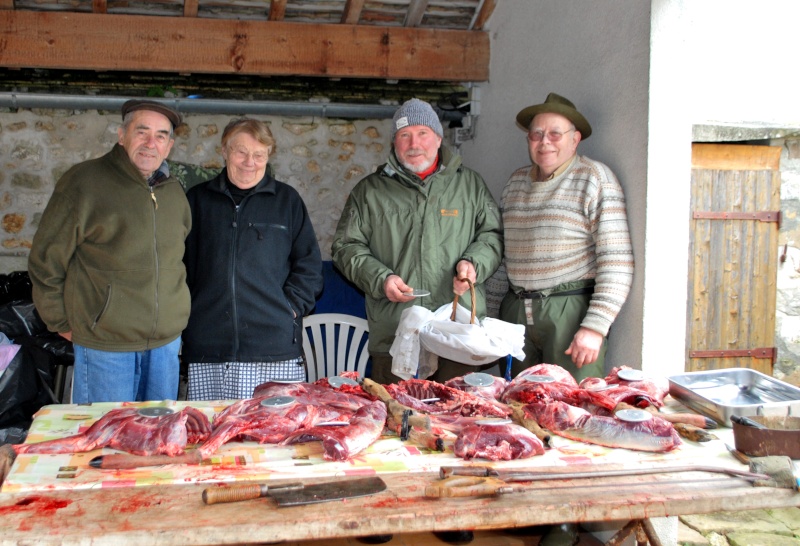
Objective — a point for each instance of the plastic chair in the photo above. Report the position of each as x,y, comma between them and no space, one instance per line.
334,343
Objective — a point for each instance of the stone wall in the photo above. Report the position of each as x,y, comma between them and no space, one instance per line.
787,316
322,158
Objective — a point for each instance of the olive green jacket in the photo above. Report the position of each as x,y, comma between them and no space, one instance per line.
392,223
106,262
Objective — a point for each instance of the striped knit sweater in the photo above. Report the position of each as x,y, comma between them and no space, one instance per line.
572,227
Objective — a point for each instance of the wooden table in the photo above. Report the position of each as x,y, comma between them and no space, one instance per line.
172,515
127,511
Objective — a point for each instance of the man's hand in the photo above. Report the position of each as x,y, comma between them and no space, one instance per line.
464,270
585,347
394,287
66,335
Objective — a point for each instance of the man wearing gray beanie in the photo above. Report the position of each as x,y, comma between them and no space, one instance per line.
422,222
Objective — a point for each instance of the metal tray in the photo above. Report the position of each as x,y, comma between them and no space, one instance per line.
719,394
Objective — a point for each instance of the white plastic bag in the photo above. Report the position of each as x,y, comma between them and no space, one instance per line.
422,336
480,343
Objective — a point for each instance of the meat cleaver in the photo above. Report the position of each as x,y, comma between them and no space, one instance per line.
294,494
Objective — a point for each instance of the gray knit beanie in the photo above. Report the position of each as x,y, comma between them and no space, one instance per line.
416,112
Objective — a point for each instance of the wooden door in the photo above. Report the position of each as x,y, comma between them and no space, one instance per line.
733,257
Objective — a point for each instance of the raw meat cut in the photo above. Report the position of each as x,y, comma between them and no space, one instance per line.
490,392
317,393
656,387
340,443
251,419
571,422
128,430
542,383
497,442
346,387
412,392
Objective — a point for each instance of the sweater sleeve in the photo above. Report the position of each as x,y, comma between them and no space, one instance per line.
613,249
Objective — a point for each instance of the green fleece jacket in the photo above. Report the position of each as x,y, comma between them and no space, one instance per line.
107,259
392,223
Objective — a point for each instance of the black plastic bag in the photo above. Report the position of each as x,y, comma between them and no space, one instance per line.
15,286
20,318
25,386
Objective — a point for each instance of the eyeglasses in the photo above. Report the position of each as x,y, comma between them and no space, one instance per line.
242,154
552,136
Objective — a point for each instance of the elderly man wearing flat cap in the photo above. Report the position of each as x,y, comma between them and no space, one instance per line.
421,221
106,263
567,248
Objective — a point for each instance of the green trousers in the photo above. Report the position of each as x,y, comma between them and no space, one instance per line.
555,321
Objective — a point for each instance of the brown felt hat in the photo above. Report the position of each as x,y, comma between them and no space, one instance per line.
555,104
140,104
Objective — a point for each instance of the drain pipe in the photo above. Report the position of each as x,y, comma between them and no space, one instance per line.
215,106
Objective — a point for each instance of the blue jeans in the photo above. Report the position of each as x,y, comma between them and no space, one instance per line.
105,376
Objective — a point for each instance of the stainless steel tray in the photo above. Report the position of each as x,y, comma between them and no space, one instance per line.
719,394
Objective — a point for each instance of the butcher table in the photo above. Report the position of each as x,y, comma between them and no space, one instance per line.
60,499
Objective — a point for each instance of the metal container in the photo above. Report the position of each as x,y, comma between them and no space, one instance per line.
781,437
719,394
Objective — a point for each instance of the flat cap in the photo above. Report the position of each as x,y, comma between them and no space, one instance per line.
140,104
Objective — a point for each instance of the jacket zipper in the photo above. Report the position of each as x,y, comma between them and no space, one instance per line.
232,269
155,256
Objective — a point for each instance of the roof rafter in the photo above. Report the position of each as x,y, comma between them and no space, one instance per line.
217,46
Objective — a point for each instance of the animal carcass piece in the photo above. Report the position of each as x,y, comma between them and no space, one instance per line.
541,383
497,442
434,398
340,443
480,384
317,393
606,394
571,422
257,420
129,430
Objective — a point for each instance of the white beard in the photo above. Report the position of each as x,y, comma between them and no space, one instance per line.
419,168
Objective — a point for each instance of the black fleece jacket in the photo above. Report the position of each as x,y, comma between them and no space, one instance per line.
250,269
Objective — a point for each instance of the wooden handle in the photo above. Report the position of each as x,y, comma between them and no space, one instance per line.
233,493
467,486
455,302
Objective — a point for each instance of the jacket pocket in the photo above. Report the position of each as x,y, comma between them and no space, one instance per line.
103,310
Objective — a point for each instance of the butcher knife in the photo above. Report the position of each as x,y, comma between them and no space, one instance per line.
294,494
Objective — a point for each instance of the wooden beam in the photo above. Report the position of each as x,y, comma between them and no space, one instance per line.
416,10
99,6
352,12
220,46
190,8
277,10
483,14
6,4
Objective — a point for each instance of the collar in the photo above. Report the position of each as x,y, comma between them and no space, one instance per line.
159,175
558,172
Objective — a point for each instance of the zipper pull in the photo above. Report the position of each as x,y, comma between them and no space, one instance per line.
153,197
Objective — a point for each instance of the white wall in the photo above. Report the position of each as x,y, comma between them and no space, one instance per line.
596,54
643,74
712,62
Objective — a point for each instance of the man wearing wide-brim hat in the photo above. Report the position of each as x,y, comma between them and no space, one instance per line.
106,263
567,247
